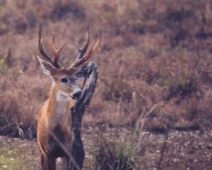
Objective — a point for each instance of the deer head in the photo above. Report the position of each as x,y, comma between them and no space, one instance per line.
65,78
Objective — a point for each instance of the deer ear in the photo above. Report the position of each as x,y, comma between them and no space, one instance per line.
47,67
81,71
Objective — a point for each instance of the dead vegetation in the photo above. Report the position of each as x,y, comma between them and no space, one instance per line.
154,54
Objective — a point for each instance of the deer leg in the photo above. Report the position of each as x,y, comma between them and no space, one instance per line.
42,158
47,163
51,163
66,163
44,162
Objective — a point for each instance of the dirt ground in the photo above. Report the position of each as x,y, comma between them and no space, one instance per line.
170,151
154,65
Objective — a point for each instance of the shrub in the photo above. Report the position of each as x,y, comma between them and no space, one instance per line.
114,153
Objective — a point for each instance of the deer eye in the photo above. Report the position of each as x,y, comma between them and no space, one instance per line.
64,80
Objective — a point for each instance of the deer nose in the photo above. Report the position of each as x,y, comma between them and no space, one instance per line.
76,95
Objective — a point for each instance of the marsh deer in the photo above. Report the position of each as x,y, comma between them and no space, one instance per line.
54,121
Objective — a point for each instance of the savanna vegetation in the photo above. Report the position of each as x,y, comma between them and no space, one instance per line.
155,77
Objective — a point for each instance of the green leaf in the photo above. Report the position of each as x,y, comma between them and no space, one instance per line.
1,61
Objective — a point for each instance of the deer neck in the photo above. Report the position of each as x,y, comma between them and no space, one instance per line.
59,104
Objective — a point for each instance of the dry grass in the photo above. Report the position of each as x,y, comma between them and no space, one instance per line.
152,54
112,151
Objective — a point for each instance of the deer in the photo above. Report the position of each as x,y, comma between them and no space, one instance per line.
54,119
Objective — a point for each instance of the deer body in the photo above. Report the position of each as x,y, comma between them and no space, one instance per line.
54,122
54,117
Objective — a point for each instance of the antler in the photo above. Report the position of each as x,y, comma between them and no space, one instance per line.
80,59
84,49
55,51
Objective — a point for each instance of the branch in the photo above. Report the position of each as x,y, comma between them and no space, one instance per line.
77,111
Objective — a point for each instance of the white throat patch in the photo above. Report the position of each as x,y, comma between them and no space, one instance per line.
62,97
63,100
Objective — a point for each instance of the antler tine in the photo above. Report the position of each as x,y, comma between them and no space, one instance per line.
94,47
84,49
41,48
55,51
43,53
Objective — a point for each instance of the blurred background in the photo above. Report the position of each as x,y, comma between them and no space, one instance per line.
154,62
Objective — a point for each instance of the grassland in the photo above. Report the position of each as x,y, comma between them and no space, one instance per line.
154,63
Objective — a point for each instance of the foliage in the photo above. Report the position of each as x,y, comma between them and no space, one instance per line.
151,54
113,154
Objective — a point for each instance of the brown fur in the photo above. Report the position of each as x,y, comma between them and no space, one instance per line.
54,121
48,122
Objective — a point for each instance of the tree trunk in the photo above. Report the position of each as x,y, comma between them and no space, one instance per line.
77,111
